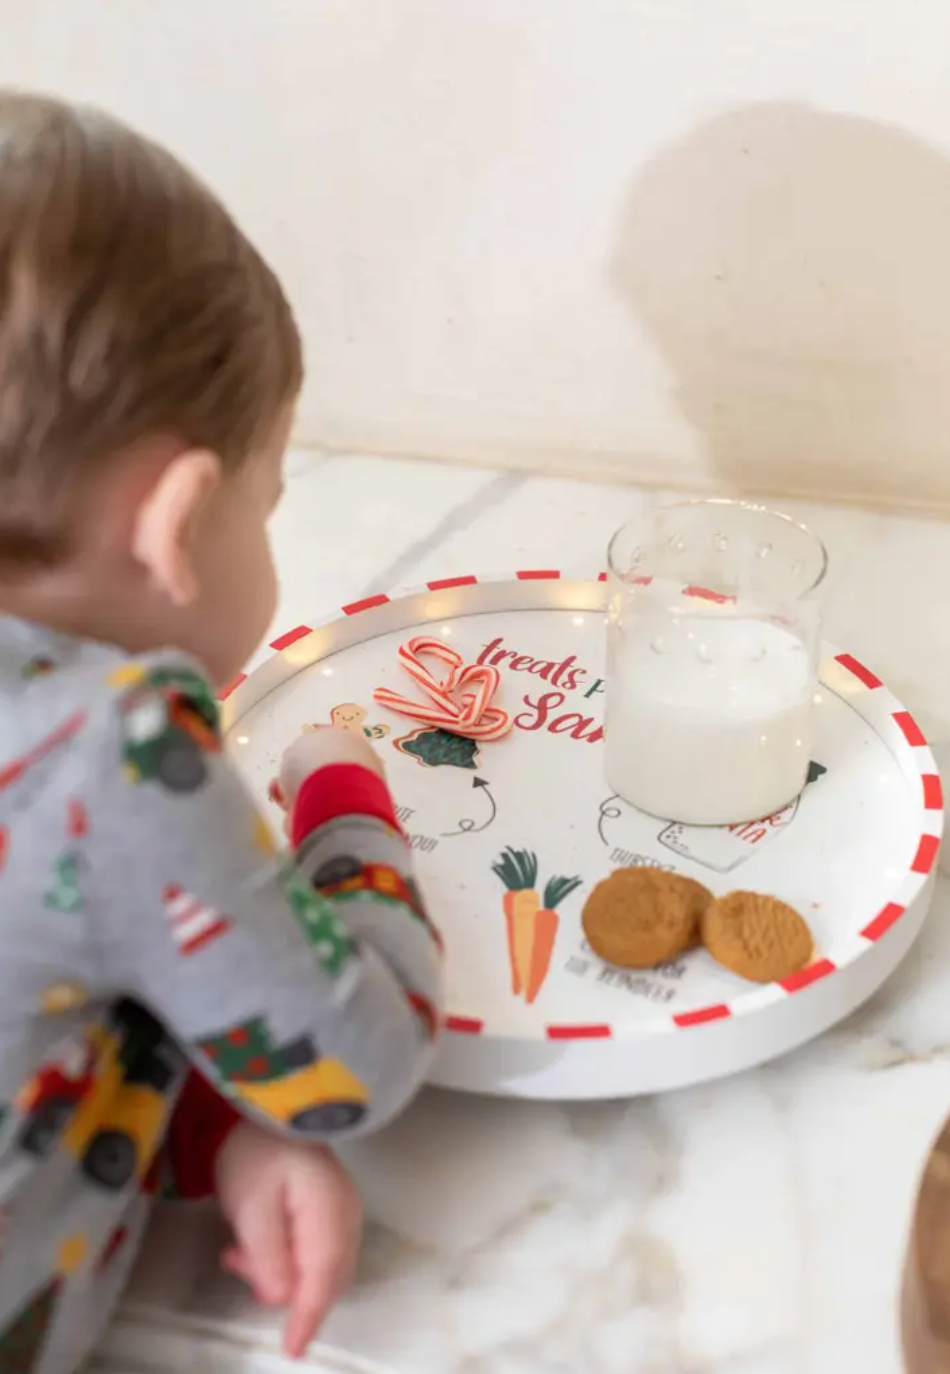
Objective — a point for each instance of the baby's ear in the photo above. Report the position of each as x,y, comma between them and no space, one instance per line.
167,520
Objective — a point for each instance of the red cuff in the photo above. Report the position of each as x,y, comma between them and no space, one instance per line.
200,1124
340,789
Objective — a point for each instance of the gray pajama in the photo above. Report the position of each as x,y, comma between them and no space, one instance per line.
149,929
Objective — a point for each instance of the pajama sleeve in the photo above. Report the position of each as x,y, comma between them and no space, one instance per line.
306,988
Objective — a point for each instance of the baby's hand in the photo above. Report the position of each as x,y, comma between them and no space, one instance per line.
316,749
297,1220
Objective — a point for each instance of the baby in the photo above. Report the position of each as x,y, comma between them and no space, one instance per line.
183,1010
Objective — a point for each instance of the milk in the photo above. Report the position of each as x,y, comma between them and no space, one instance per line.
709,717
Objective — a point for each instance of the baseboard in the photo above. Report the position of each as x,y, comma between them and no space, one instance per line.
660,475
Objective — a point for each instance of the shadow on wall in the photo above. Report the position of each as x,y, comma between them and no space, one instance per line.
793,267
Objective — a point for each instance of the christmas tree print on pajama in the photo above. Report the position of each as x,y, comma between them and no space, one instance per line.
323,929
65,894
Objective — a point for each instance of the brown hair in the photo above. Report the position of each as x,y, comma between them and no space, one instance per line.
131,306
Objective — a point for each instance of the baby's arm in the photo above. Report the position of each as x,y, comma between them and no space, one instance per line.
307,989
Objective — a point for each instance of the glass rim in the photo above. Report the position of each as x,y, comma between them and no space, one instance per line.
735,504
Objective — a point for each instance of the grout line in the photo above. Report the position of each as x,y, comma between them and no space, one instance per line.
461,517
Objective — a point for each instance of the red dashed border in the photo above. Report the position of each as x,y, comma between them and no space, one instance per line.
369,603
600,1031
464,1025
444,584
883,921
864,675
284,641
806,976
232,687
701,1016
871,699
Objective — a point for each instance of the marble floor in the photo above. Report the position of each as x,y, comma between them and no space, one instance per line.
752,1226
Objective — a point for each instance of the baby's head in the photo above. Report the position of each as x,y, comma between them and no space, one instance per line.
149,366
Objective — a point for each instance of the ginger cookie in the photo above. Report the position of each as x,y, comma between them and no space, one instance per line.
639,917
701,895
757,937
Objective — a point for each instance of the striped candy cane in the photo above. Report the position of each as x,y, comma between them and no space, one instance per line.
471,715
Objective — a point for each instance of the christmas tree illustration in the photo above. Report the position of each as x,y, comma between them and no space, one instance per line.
65,894
435,748
324,930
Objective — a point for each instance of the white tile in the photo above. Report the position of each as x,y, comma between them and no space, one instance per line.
540,522
344,521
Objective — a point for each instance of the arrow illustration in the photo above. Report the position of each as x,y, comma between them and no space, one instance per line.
467,826
608,812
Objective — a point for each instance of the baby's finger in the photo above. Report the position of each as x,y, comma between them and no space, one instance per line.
324,1271
265,1253
309,1308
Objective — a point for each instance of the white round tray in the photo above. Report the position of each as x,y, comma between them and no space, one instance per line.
856,854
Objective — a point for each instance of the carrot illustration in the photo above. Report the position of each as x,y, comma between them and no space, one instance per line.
546,922
518,870
532,928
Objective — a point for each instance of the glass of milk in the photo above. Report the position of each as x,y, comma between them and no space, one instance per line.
713,637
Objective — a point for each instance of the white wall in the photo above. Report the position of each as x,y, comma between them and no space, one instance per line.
666,239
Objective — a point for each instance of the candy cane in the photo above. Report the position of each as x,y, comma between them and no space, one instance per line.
475,704
493,723
415,710
445,709
410,661
471,716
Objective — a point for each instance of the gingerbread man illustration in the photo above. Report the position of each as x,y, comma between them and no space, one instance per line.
351,716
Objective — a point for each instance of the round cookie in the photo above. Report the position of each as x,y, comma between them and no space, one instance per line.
758,937
701,896
640,917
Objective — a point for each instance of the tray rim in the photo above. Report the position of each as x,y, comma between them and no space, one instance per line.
864,691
